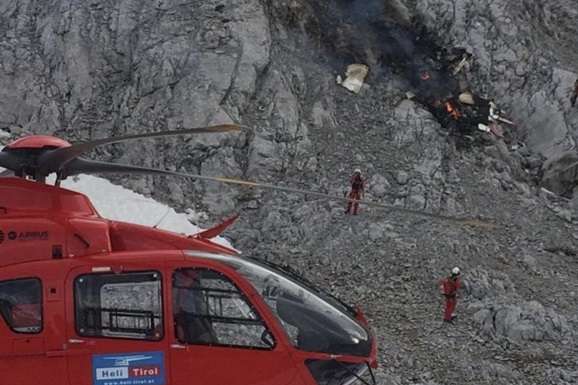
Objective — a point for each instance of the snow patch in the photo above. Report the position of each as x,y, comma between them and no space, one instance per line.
121,204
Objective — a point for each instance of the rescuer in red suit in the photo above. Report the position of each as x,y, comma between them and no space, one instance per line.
356,193
449,288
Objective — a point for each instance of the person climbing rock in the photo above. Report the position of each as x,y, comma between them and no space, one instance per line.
574,93
356,192
449,288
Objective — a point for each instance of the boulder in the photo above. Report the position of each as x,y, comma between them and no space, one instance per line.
529,321
560,173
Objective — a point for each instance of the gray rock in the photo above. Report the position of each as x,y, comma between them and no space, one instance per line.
379,186
558,376
480,284
402,177
527,322
387,379
530,261
493,372
375,232
560,173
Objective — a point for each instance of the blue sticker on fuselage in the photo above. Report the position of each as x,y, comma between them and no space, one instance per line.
146,368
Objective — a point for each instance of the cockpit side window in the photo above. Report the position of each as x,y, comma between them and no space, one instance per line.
125,305
311,322
209,309
21,305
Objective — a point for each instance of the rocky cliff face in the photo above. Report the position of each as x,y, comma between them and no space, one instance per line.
89,69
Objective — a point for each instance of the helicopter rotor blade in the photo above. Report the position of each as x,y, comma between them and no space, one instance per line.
54,161
467,221
88,166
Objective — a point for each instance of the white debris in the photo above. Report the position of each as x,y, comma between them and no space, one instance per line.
483,127
466,98
354,77
461,65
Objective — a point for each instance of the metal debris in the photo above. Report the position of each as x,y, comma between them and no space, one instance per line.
466,98
354,77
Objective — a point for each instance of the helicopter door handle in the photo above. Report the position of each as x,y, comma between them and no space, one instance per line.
76,341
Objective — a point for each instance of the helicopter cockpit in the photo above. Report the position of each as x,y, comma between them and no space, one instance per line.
312,320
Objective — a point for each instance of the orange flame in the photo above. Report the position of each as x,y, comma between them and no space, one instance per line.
454,113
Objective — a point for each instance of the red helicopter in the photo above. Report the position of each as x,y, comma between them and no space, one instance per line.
89,301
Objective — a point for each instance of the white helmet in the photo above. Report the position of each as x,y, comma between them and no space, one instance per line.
456,271
357,171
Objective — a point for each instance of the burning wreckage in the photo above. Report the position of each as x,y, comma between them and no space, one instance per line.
442,88
446,94
468,112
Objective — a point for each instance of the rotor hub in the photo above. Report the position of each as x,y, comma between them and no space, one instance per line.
38,141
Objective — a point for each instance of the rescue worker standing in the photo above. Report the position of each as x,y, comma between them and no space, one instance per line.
449,288
356,193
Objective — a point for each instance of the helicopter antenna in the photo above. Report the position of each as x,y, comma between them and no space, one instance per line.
162,218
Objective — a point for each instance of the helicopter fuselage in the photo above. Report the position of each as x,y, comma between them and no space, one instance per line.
89,301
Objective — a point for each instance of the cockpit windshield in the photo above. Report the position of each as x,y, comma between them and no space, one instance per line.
313,321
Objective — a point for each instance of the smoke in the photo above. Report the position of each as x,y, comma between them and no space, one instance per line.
378,33
368,11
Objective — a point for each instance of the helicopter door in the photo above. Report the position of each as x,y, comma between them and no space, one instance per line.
115,333
30,344
219,336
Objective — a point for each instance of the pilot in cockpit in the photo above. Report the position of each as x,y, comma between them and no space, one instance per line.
192,317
